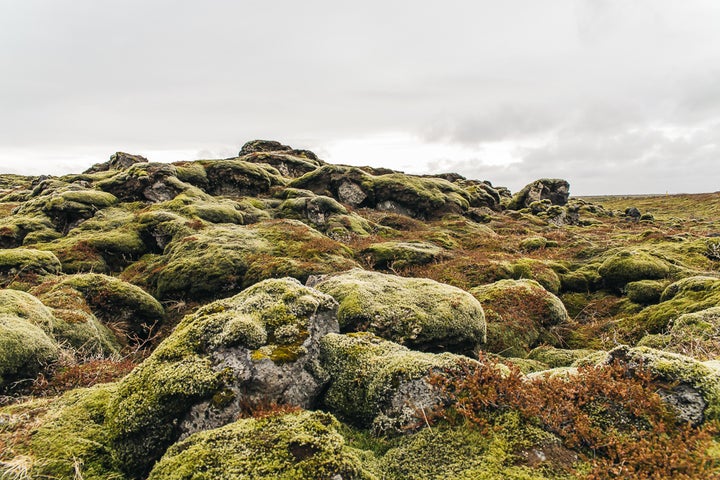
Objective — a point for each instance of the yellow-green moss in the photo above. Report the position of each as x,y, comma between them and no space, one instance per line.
542,272
72,441
24,349
19,261
645,292
398,255
293,446
366,370
417,312
694,334
179,373
629,266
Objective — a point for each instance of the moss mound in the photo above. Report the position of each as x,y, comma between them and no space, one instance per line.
520,315
125,307
24,349
379,384
220,348
291,446
420,313
629,266
398,255
237,178
72,441
688,295
25,261
645,292
417,197
224,258
558,357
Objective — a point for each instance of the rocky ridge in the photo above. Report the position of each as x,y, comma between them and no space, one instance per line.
275,316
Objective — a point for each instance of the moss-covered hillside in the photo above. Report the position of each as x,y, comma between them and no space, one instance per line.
273,316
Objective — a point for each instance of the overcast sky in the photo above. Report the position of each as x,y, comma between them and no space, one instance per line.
616,96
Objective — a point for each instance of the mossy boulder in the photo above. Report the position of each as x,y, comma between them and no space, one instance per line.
237,178
25,345
267,146
690,387
533,243
72,441
691,294
417,197
17,230
291,446
558,357
147,182
222,259
105,243
325,214
288,164
520,315
645,292
379,384
512,450
542,272
629,266
416,312
26,261
555,190
398,255
258,347
125,307
693,334
66,205
117,161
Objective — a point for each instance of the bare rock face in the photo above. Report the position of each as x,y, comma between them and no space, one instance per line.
555,190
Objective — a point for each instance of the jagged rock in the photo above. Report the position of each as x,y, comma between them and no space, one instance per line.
417,312
255,146
258,347
555,190
150,182
419,197
237,178
118,161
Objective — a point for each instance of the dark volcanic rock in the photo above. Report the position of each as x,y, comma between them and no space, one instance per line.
554,189
118,161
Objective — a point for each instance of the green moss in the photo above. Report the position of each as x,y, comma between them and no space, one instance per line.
159,392
72,441
238,178
421,313
533,243
398,255
520,315
18,261
283,447
24,349
645,292
677,369
460,452
629,266
558,357
72,323
688,295
226,258
16,230
192,173
541,272
366,372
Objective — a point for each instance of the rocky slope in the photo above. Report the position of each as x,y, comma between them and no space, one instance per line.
274,316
